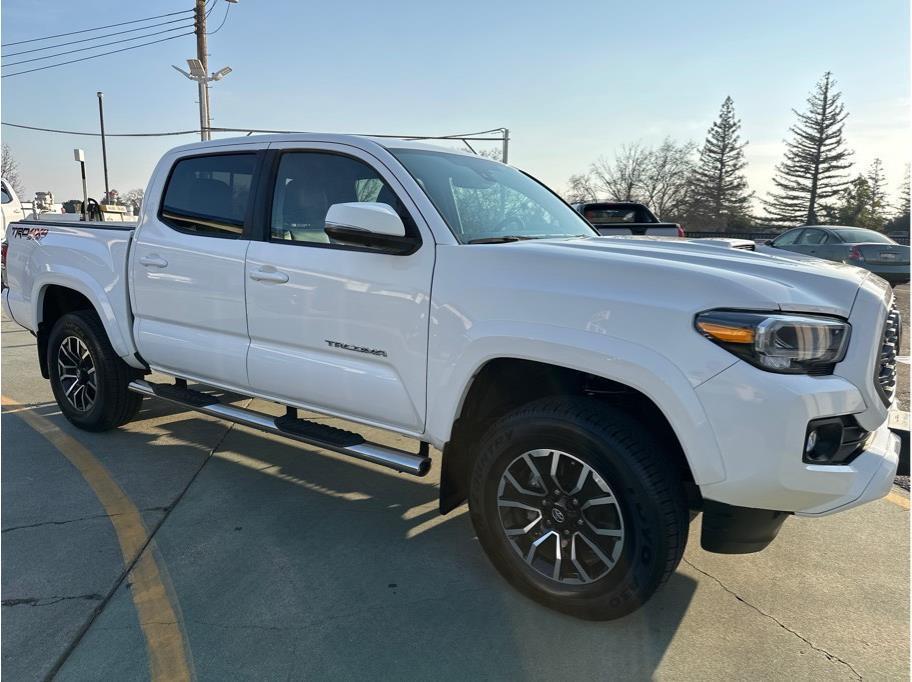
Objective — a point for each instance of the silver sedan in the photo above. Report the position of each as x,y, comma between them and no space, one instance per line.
865,248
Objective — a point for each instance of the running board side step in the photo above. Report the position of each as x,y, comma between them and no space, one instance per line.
311,433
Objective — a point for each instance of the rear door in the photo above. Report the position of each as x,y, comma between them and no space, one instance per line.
187,265
339,329
811,242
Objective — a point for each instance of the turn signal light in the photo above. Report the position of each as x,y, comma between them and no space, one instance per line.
725,333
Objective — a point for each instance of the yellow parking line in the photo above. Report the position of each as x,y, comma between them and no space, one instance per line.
157,616
899,500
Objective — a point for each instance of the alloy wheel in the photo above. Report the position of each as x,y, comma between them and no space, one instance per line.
560,516
78,378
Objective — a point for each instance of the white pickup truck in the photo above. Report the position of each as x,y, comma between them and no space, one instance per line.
589,394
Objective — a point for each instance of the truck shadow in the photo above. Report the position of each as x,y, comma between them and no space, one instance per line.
288,561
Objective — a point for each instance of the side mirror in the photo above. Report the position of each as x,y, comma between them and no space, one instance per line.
369,225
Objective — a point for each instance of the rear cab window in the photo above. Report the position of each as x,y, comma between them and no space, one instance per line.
209,195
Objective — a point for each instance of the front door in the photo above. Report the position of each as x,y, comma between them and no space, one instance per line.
338,329
188,270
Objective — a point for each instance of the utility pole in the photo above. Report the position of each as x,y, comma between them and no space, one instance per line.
104,149
200,30
506,145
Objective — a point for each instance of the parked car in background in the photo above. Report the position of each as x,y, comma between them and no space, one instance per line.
867,249
11,207
626,218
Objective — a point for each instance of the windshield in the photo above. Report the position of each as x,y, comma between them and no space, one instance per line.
861,235
484,200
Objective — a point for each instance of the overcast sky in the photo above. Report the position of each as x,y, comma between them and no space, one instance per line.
572,81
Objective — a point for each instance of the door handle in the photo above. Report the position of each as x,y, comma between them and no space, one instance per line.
270,275
153,261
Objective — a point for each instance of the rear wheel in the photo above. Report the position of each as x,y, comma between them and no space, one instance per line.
89,380
577,507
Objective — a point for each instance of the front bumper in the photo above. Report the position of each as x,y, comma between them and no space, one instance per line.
760,421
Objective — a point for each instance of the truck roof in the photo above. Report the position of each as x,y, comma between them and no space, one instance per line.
355,140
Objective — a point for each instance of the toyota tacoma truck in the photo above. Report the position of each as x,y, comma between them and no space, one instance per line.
589,395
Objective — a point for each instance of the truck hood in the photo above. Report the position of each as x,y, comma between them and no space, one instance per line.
790,284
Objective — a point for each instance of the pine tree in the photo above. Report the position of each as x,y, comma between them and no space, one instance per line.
900,222
904,197
877,186
815,158
719,194
854,207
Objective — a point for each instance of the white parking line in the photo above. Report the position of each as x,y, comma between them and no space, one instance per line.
903,359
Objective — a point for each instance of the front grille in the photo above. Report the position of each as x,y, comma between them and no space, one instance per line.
885,373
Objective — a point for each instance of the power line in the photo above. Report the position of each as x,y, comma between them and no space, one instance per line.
224,19
85,40
99,28
79,132
95,47
467,136
94,56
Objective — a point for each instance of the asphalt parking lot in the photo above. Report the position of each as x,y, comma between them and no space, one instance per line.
182,547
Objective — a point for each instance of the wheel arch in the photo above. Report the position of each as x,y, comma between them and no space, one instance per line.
54,299
651,387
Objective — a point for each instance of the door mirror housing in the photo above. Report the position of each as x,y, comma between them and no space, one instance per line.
370,225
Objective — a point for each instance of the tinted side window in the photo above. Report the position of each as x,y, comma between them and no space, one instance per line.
787,239
812,237
208,195
5,195
308,183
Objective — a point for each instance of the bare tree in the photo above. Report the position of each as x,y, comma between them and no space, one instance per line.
493,154
665,182
657,177
623,178
9,169
581,188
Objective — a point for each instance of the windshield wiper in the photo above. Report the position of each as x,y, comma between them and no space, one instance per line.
501,239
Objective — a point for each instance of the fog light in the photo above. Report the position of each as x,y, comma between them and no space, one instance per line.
823,440
811,442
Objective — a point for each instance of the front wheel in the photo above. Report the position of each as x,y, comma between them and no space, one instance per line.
89,380
577,507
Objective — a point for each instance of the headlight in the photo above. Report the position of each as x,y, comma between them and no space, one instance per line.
789,344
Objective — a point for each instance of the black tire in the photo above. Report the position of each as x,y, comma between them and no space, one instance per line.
643,480
112,405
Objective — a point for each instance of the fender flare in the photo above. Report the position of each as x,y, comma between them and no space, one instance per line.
71,278
634,365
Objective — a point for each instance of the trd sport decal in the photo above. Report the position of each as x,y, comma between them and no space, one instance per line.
358,349
34,233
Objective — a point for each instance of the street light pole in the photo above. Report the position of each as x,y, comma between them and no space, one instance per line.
199,68
104,150
200,29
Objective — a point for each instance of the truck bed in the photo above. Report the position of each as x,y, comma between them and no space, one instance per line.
87,257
